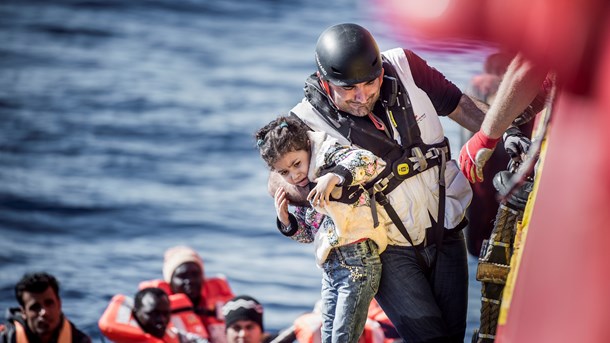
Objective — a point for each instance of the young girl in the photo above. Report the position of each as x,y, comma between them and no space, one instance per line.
347,243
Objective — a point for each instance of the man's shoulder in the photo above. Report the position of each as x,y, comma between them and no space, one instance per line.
7,332
396,53
7,329
78,336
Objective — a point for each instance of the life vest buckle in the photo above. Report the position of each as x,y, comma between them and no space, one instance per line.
420,159
380,185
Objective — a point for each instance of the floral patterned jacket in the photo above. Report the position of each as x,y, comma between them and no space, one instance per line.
339,223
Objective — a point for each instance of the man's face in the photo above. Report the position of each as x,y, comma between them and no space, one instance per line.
42,311
154,315
357,99
244,331
187,279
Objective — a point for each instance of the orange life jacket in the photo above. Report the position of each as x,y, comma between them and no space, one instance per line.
307,329
376,313
118,324
215,292
65,334
184,318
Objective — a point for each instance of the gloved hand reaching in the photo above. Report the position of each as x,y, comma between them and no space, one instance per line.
474,155
516,145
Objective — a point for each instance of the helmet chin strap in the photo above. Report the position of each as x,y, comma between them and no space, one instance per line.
325,86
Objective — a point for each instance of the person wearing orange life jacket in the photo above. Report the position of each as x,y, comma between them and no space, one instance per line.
40,317
145,319
183,272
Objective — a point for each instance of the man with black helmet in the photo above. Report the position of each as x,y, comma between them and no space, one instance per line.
390,103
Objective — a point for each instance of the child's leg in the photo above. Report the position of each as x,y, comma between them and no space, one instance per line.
329,299
353,271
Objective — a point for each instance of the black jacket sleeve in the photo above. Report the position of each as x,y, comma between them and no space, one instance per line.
288,231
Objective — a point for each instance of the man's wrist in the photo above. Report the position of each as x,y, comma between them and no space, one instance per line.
486,141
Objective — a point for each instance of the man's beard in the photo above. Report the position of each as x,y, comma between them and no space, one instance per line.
361,109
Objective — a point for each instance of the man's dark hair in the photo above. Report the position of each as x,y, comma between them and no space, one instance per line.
157,292
35,283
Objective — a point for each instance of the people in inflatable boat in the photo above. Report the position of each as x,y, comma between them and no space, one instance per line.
183,273
39,317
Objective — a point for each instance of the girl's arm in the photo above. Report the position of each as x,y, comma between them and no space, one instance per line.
344,165
355,166
303,224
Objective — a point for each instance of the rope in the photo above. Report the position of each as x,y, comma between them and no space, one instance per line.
493,268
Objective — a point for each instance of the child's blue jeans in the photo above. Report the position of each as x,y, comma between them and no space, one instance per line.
349,283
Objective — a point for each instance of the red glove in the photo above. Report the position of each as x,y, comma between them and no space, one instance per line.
474,155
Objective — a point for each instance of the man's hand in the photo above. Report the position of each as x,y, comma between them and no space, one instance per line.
516,145
474,155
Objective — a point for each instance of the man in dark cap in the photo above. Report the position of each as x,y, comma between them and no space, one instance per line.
244,320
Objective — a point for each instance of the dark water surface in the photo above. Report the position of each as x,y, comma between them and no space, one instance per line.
126,128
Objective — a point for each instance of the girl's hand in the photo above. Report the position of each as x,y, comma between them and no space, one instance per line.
320,194
281,206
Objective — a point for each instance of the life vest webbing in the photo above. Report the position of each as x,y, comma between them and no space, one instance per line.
65,333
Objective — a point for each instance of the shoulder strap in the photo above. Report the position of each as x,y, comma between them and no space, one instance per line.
395,99
65,335
20,335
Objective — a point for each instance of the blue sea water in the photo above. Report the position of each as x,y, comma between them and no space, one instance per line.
126,128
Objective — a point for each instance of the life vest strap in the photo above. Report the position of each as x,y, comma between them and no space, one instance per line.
413,163
436,155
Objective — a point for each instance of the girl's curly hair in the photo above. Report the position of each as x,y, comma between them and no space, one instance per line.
281,136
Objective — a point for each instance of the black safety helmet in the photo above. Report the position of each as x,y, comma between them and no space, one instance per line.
347,54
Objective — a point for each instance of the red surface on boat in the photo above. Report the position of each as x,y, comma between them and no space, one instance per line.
560,291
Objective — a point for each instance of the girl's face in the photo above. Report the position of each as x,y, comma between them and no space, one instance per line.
293,167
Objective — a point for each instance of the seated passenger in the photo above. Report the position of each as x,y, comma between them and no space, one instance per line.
244,321
39,317
147,319
183,272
